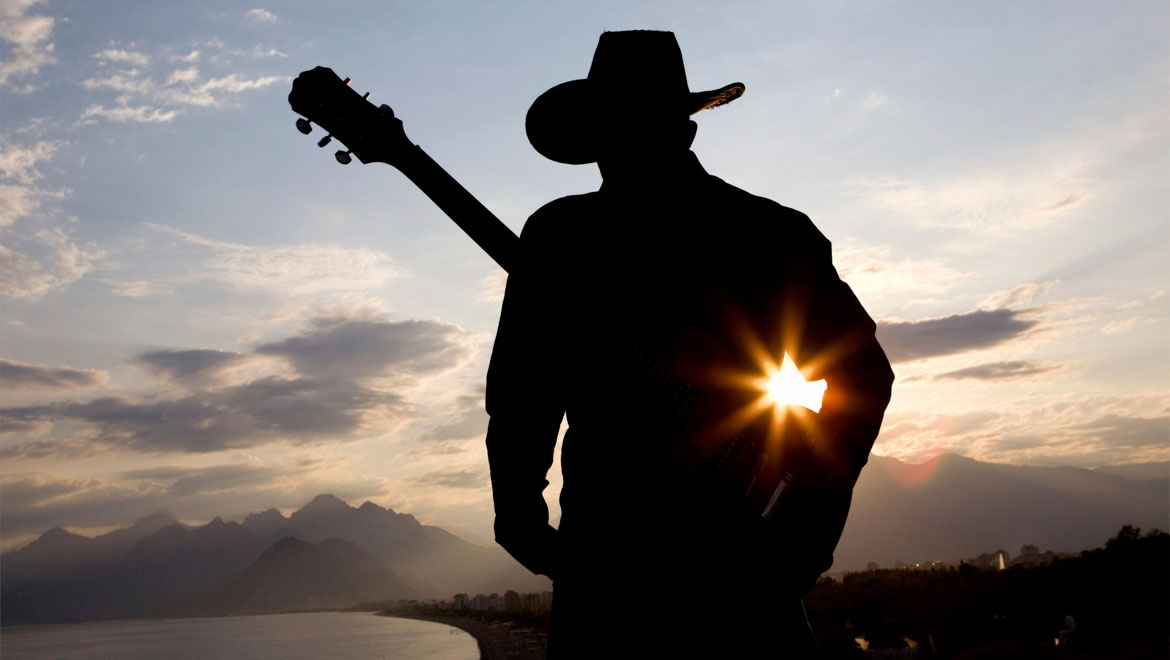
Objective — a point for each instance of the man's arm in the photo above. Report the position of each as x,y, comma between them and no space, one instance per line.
525,402
832,338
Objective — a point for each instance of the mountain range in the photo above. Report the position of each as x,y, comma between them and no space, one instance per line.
954,507
329,554
325,555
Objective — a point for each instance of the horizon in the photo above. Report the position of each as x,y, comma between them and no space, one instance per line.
204,312
920,476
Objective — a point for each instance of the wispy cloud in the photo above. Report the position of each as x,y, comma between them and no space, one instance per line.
261,15
125,114
128,81
1018,295
984,201
454,478
20,163
29,36
31,277
876,277
25,376
149,93
997,371
289,269
123,56
20,196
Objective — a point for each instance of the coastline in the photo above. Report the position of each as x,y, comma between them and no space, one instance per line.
497,641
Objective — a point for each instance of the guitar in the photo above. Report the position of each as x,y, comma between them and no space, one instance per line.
739,466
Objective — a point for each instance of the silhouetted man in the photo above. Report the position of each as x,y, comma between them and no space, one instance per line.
704,278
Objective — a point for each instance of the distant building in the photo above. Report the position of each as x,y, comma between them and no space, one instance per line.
462,602
513,602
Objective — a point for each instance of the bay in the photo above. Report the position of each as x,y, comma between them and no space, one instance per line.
304,636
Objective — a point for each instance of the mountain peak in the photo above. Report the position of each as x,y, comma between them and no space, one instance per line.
323,503
59,533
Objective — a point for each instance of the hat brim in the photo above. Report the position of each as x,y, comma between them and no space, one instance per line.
561,126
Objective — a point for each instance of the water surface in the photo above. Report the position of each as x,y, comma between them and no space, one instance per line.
310,636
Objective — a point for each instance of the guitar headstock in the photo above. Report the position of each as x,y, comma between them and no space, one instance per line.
370,132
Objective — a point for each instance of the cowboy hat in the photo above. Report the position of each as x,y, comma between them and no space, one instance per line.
638,70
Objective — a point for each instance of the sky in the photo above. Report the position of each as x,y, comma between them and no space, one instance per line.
202,311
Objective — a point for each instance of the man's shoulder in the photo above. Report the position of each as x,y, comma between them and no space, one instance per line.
557,215
765,215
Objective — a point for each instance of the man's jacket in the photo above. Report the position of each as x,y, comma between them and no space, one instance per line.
707,280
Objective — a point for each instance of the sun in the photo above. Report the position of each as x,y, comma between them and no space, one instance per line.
785,386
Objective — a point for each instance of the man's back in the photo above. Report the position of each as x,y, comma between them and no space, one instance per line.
697,274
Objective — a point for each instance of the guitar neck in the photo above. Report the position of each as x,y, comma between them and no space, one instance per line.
496,239
633,369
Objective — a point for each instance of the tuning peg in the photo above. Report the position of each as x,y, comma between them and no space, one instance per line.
304,126
343,157
325,140
365,96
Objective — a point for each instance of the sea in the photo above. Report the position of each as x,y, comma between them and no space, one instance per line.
307,636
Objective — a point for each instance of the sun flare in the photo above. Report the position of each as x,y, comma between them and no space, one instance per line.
785,386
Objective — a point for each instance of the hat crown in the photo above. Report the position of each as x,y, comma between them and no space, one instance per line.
646,60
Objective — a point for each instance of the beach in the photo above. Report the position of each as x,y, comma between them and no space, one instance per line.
497,640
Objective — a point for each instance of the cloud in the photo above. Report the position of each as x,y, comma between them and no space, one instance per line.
492,286
374,348
1035,427
187,481
467,420
20,198
125,114
261,15
188,366
24,376
17,202
202,94
454,478
183,75
127,56
1121,325
873,101
257,51
143,99
997,371
290,269
20,163
28,36
917,340
1018,295
1005,199
298,410
29,277
325,403
1126,432
874,276
139,288
120,82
